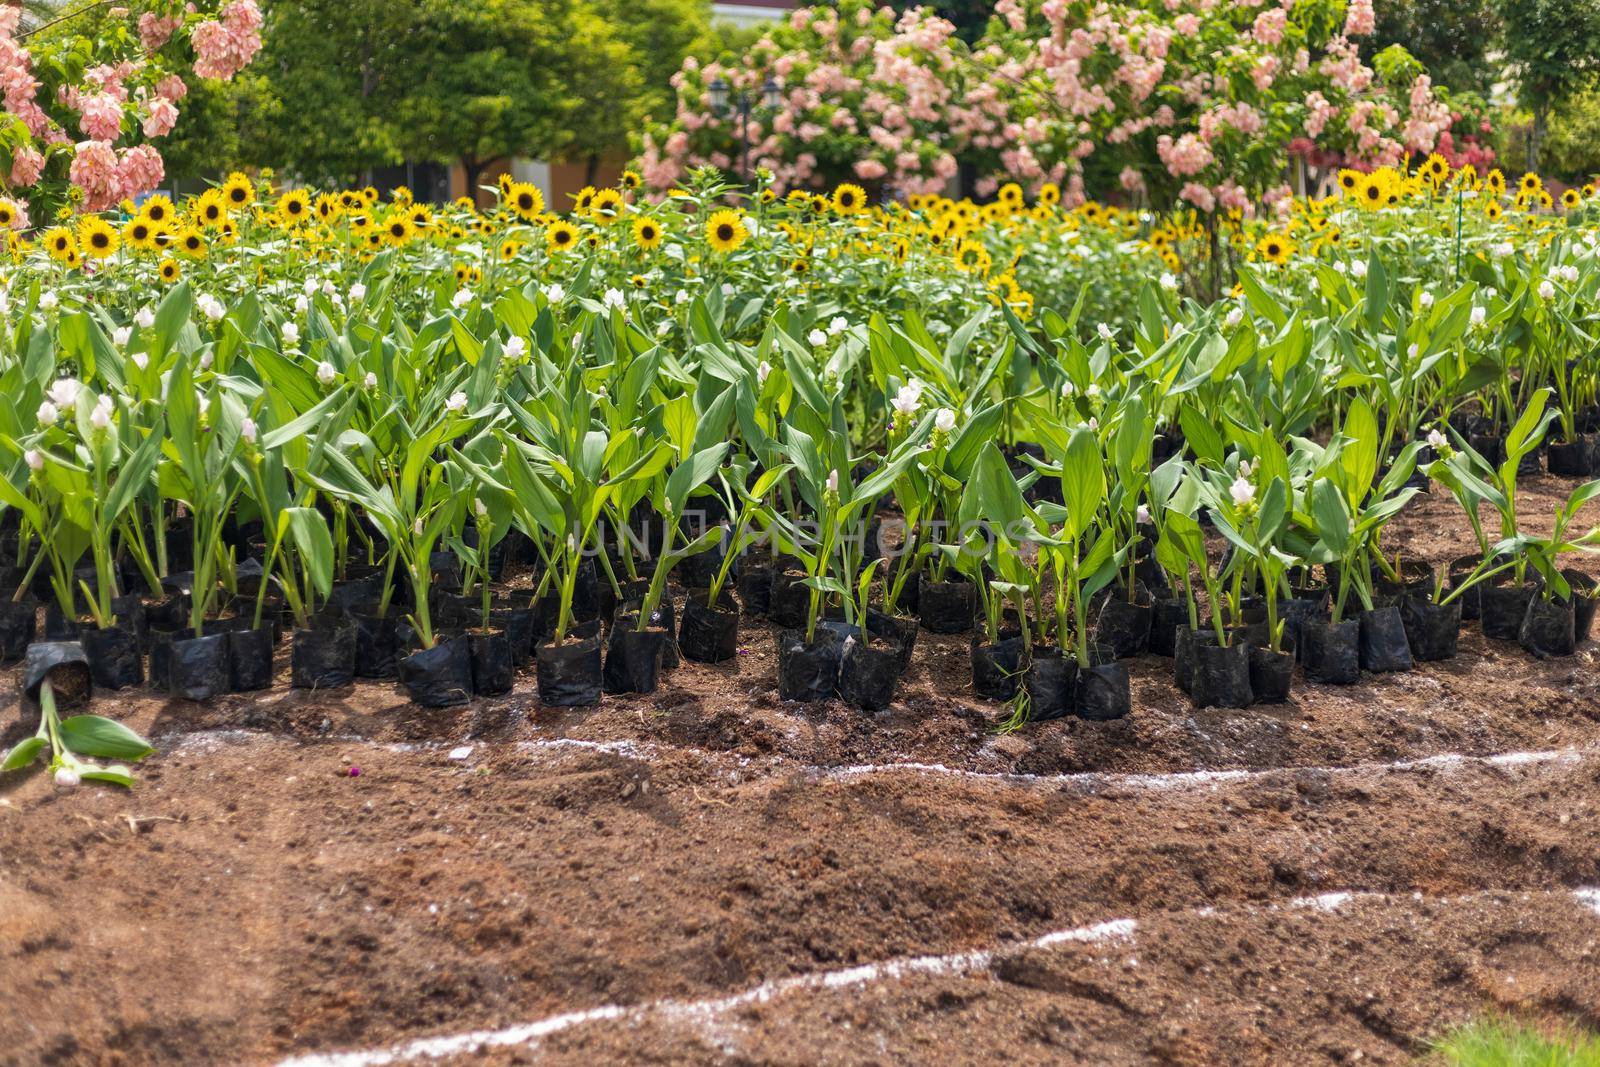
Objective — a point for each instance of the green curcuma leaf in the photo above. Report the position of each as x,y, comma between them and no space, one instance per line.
22,753
101,738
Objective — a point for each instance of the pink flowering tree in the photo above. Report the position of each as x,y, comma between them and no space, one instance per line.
89,94
1206,103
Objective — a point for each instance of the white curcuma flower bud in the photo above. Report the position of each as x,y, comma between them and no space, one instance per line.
1067,389
325,373
1437,440
681,296
838,325
1094,424
144,319
833,481
64,393
329,289
48,301
301,305
206,359
614,298
67,778
211,307
416,527
1479,316
1235,316
1413,351
555,293
1242,491
944,420
1169,282
1142,515
817,338
1425,298
762,371
310,286
516,348
371,380
1092,391
121,335
457,402
462,298
100,417
34,458
1546,290
248,431
479,508
1105,332
1569,273
291,333
358,293
906,401
1359,268
140,360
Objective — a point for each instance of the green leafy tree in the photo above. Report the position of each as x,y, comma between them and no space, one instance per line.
1451,38
1554,48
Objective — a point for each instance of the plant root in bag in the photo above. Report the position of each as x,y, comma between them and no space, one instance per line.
1167,617
1221,676
19,621
65,666
492,671
1183,658
115,658
521,626
709,634
1433,631
633,662
1502,606
1272,673
569,673
1584,602
899,631
439,677
1052,684
250,659
1471,601
1294,612
1574,459
1331,651
808,672
754,585
1102,693
997,668
1124,626
324,657
789,599
868,674
377,643
947,607
197,667
1383,641
1549,628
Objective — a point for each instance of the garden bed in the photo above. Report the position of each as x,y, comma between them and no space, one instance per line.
709,873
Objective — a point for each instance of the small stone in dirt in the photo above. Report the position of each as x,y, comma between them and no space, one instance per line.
464,752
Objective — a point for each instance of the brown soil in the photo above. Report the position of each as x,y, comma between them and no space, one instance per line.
253,900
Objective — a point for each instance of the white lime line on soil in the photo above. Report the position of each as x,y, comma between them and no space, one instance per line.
645,751
705,1015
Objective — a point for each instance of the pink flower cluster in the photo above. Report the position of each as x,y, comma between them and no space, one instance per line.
1178,95
225,46
106,177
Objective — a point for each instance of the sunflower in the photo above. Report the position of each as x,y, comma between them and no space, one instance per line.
169,270
606,206
1436,169
973,257
849,199
1492,210
585,197
8,214
1495,183
799,266
1529,184
294,207
639,281
646,233
158,209
725,230
1350,181
462,273
60,243
401,194
1049,194
505,182
509,250
328,208
560,236
1373,192
398,230
97,237
631,180
192,244
211,209
525,199
1571,199
1011,194
238,191
768,196
1275,248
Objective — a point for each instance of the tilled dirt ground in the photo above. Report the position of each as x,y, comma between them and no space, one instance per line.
708,874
